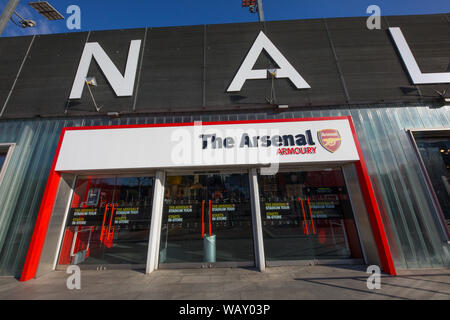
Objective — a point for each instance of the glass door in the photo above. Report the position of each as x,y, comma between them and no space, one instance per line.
206,221
307,215
108,222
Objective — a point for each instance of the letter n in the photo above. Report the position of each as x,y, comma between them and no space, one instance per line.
123,86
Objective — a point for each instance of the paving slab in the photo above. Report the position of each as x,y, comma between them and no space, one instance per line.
276,283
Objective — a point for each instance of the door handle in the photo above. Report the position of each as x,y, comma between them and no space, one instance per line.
310,213
210,218
203,218
103,223
110,220
304,216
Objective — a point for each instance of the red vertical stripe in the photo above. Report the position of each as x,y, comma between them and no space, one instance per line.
103,223
304,217
303,222
108,235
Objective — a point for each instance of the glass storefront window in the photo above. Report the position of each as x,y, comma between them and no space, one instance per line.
307,215
4,150
108,222
434,148
206,219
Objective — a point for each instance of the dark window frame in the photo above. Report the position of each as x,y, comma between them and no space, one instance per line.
430,133
6,148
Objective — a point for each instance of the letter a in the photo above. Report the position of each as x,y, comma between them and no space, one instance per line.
246,71
374,280
123,86
73,281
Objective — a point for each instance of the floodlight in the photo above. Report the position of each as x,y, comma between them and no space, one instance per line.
47,10
27,23
272,72
91,81
443,97
23,23
446,102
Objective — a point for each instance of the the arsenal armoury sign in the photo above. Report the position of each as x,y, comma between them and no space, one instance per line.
233,143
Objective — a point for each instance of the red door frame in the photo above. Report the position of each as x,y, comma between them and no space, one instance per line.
48,200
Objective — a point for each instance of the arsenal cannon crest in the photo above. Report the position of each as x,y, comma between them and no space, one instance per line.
330,139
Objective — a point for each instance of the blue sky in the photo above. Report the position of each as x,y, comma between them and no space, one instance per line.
119,14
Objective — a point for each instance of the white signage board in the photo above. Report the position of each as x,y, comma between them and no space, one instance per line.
194,146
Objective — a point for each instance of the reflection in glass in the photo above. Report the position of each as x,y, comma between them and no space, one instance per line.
307,215
206,218
108,222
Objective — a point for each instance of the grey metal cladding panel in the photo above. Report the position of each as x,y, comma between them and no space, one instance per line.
226,48
307,47
369,62
304,43
46,78
172,69
116,44
429,39
12,53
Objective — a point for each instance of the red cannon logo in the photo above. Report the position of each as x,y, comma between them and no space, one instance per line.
330,139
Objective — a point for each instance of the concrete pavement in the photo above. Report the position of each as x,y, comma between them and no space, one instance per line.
299,282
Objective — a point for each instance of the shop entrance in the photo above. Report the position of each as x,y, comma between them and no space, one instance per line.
307,215
206,221
208,218
108,223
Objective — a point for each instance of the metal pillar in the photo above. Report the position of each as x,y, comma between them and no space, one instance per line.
7,13
260,11
257,221
155,227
